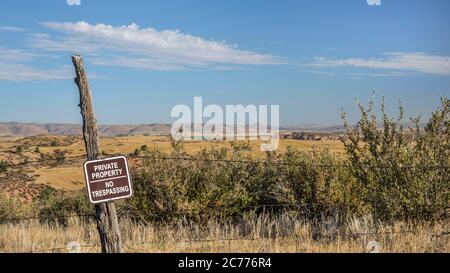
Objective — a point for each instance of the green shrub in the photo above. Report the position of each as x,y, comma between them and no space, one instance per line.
403,171
144,148
19,149
57,157
136,152
205,187
3,166
12,208
55,206
320,183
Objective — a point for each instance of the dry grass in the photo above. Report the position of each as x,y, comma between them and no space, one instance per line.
70,176
64,178
127,145
263,235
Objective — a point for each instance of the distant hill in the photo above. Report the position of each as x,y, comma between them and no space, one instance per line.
318,128
33,129
313,128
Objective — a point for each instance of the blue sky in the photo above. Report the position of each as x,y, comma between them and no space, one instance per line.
143,57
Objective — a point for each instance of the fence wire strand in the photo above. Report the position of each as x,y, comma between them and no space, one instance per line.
320,234
193,241
195,159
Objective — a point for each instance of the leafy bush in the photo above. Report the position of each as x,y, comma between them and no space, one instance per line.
321,183
19,149
144,148
403,172
13,208
57,157
204,187
55,206
3,166
136,152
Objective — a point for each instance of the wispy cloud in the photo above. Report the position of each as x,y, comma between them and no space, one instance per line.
357,75
23,72
12,29
145,48
374,2
14,66
397,61
387,74
73,2
15,55
324,73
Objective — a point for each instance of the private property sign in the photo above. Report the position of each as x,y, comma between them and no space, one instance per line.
108,179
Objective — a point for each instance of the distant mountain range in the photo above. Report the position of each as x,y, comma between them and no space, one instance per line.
313,128
32,129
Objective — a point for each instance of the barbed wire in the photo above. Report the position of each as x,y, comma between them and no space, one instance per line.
271,237
314,235
51,250
43,217
194,159
345,235
258,238
123,213
269,162
47,217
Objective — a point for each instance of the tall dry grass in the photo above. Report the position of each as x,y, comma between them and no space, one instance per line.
262,234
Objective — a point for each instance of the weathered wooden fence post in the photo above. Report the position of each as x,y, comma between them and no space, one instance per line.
106,216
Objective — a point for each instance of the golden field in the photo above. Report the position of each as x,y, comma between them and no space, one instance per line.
70,175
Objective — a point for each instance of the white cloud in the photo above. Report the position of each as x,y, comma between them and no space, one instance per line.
358,75
23,72
388,74
15,55
73,2
14,67
12,29
397,61
145,48
324,73
140,63
374,2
